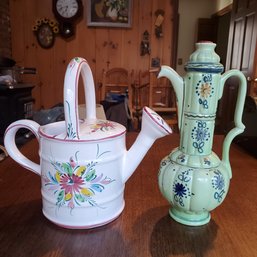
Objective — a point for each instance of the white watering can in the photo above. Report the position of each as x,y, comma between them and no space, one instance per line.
84,164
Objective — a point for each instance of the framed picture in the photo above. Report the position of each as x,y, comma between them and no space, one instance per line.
109,13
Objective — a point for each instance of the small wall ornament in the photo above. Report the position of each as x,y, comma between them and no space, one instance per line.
145,45
45,30
158,23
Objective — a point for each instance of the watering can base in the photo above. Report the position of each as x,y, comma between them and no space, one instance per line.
190,218
85,224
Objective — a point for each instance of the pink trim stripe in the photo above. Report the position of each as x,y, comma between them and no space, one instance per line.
21,126
78,140
149,114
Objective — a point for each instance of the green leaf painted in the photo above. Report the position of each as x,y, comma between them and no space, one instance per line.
90,175
68,169
60,197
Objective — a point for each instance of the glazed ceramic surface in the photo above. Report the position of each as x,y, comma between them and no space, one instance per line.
84,164
192,177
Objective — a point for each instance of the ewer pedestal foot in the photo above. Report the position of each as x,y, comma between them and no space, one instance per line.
190,218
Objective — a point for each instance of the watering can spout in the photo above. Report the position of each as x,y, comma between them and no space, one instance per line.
178,85
153,127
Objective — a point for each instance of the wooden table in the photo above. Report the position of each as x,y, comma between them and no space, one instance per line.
144,228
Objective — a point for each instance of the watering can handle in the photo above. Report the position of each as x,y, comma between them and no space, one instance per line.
239,126
76,66
12,149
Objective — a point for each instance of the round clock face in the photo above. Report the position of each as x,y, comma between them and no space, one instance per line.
67,8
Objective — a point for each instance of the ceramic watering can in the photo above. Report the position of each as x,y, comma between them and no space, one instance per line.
192,177
84,163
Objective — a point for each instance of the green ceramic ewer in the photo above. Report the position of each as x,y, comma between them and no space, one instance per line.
192,177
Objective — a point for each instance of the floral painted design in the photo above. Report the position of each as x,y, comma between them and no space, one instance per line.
74,185
206,161
180,187
71,134
103,126
166,161
218,183
200,134
181,158
204,90
73,62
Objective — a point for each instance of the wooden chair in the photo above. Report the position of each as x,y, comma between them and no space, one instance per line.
162,98
118,81
141,90
141,94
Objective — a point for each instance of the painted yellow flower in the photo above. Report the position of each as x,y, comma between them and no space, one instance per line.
205,90
86,192
68,196
80,171
57,176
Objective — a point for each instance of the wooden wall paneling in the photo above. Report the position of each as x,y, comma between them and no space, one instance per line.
17,17
85,48
23,15
167,33
30,49
101,55
145,23
129,46
153,39
47,77
102,47
5,33
21,45
161,47
50,82
60,63
89,44
129,50
114,48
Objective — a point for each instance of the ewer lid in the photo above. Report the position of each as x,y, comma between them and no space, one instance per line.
204,59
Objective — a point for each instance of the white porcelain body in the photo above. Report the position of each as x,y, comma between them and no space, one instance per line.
99,190
84,164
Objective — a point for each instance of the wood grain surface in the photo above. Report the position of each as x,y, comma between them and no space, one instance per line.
144,228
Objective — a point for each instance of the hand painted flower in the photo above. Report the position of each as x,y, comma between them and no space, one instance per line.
205,90
71,184
218,181
180,189
74,185
103,126
201,134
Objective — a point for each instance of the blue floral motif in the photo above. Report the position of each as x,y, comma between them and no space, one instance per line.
180,187
207,161
218,183
181,158
166,161
200,134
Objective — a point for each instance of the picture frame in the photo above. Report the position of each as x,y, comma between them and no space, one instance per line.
109,13
45,36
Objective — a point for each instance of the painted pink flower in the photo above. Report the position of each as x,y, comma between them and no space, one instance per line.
71,183
72,163
103,125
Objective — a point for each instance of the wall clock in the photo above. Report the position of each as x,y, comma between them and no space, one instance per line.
67,12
